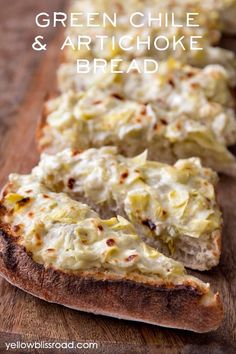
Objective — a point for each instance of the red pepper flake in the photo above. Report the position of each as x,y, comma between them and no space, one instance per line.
29,191
46,196
150,224
100,227
23,201
75,152
97,102
70,183
190,74
138,120
195,85
117,96
164,213
51,250
30,214
131,258
171,82
110,242
144,110
123,176
163,121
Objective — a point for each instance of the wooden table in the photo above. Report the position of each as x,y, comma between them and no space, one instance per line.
27,77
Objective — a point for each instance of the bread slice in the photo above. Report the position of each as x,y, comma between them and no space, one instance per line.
61,251
208,32
173,208
177,90
75,120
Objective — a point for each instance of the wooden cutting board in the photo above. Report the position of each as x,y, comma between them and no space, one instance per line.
27,77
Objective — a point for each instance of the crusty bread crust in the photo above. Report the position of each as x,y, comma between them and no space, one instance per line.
40,126
135,297
42,122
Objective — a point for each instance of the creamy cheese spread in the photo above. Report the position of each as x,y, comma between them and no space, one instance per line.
67,235
166,201
177,113
201,94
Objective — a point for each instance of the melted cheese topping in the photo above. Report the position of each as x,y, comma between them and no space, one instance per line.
68,235
209,29
200,94
180,122
169,201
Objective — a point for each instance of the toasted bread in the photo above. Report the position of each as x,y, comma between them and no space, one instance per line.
173,208
168,298
71,129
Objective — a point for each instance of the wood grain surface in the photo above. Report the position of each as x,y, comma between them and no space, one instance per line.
27,77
